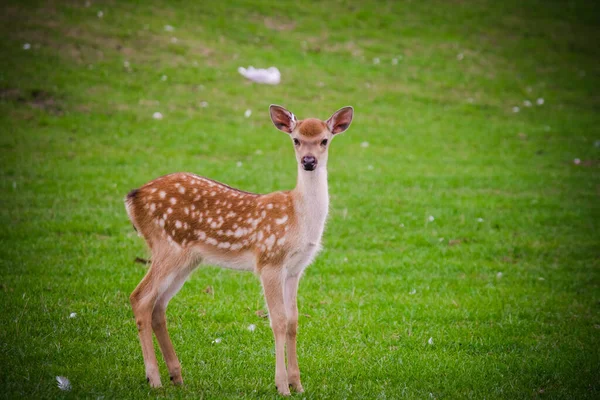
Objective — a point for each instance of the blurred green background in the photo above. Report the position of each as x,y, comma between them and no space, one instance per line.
462,251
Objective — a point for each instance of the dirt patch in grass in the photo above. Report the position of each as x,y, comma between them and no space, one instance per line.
350,47
279,24
44,101
92,41
34,98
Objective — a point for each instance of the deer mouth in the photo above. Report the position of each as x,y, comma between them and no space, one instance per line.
309,167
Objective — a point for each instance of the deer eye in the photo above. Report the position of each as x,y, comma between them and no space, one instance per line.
296,142
324,142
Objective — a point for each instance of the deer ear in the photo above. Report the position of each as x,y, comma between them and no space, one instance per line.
340,120
283,119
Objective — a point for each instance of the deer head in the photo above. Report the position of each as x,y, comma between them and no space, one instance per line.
311,137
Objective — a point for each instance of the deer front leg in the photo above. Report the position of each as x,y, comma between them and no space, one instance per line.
271,279
291,309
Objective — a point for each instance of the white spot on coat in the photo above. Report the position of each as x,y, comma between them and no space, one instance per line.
281,220
270,241
239,232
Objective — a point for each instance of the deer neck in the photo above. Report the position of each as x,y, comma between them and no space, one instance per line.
312,201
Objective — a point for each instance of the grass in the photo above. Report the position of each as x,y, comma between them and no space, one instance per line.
504,279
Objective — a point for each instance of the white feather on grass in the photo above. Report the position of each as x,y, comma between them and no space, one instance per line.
63,383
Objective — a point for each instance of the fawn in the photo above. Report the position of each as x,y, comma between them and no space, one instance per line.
189,220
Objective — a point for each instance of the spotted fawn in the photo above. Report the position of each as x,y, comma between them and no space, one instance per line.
188,220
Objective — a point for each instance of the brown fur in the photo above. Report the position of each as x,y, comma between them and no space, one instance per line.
311,127
189,211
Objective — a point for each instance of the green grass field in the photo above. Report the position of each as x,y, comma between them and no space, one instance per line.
504,278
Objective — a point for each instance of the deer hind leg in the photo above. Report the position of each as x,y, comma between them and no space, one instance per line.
142,301
272,282
160,277
159,324
291,310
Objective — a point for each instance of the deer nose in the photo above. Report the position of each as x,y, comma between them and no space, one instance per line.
309,163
